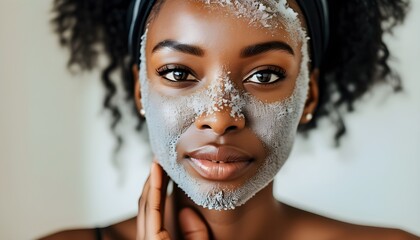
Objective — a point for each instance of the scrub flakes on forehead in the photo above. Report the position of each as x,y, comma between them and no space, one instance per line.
275,124
254,11
270,14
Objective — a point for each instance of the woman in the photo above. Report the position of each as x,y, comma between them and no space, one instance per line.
224,86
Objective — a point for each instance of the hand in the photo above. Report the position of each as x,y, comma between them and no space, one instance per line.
151,212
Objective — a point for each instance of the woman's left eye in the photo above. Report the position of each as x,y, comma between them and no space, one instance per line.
267,76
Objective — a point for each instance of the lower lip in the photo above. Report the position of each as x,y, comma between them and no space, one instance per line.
219,171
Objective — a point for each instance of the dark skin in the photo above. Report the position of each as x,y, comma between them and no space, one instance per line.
222,37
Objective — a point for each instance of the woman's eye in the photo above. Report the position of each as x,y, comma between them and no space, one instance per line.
267,76
176,74
179,75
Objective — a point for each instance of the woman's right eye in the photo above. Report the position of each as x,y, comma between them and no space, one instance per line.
176,73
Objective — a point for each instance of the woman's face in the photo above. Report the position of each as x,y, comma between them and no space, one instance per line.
224,93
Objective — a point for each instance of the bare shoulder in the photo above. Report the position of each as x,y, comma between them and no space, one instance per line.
307,225
124,230
395,234
82,234
368,233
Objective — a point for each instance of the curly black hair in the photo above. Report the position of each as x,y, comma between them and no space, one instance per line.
357,58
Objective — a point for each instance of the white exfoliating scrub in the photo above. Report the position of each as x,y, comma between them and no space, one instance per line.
275,123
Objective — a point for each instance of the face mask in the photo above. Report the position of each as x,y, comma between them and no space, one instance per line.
275,124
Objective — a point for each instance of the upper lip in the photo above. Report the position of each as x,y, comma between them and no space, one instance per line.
224,153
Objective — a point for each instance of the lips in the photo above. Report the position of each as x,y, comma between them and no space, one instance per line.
219,163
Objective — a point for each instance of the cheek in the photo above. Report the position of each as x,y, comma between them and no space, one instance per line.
171,114
275,124
167,119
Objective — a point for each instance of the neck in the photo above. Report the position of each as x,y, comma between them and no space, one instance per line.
259,218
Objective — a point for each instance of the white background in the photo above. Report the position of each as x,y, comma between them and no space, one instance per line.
56,167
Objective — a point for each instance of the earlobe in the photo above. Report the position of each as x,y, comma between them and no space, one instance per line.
313,98
137,92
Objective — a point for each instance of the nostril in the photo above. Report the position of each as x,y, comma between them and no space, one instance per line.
230,128
220,122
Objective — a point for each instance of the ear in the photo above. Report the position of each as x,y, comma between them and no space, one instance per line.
313,97
137,93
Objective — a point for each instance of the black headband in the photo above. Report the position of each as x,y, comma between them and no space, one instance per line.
315,12
317,19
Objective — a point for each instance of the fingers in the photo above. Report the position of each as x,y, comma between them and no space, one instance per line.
155,200
141,215
151,212
192,226
152,205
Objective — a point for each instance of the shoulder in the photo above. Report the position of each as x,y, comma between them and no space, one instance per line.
121,230
82,234
368,233
316,226
384,234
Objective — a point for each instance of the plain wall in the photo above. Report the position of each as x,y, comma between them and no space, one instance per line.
56,167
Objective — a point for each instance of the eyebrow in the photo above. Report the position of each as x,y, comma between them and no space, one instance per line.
185,48
260,48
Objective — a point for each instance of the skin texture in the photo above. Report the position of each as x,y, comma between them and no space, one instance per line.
223,47
262,217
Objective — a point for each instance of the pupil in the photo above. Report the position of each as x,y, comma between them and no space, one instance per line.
180,75
264,77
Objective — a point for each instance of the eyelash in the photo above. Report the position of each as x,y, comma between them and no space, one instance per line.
164,70
279,72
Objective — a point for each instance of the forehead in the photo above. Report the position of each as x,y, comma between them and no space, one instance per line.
209,21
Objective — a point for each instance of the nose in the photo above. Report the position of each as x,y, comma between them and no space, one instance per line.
221,122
